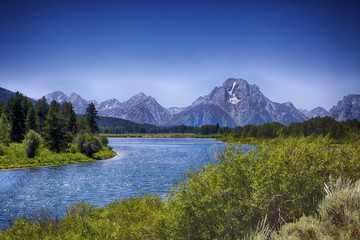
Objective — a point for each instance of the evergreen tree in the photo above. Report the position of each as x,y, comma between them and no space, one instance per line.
17,117
53,131
91,116
82,125
67,110
30,121
41,109
4,130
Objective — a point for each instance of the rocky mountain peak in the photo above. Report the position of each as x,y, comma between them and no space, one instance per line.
245,104
347,108
316,112
57,96
74,96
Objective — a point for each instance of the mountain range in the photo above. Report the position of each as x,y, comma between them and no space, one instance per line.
235,103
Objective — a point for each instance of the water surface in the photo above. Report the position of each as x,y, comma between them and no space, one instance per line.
142,164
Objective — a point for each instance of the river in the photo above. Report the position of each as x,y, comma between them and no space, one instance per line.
149,165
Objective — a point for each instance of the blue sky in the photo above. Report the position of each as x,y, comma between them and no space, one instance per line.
306,52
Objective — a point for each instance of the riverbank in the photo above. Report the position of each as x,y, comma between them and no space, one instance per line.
14,156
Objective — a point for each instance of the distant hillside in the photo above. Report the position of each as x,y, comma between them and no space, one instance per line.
5,94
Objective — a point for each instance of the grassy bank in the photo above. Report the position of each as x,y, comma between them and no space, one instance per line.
14,156
275,192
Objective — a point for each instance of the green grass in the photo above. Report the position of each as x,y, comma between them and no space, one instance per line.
14,156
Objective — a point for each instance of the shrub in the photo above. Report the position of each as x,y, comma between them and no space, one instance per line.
339,216
4,130
340,209
88,144
283,180
32,142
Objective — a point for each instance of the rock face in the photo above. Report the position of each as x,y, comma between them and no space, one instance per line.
245,104
58,96
348,108
143,109
79,104
316,112
202,114
109,107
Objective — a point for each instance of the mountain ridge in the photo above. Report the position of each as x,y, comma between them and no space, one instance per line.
235,103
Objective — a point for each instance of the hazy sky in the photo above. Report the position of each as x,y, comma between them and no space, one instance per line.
306,52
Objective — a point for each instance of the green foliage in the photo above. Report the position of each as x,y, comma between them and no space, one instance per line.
57,124
4,130
30,121
82,125
66,110
54,129
88,144
133,218
32,143
104,153
16,112
339,216
14,156
340,209
41,110
91,116
271,187
209,129
282,181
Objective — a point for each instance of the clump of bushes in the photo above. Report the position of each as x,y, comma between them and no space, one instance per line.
90,144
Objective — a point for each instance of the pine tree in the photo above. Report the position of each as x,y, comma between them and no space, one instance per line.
91,116
30,121
53,131
67,110
41,109
4,130
17,116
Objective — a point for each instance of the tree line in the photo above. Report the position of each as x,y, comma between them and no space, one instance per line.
55,125
319,126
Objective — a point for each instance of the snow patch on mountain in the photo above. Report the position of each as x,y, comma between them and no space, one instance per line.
233,99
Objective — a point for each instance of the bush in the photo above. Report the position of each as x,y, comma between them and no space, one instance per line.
282,181
88,144
339,216
340,209
32,143
104,140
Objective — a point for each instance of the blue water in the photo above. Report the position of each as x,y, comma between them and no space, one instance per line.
142,164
